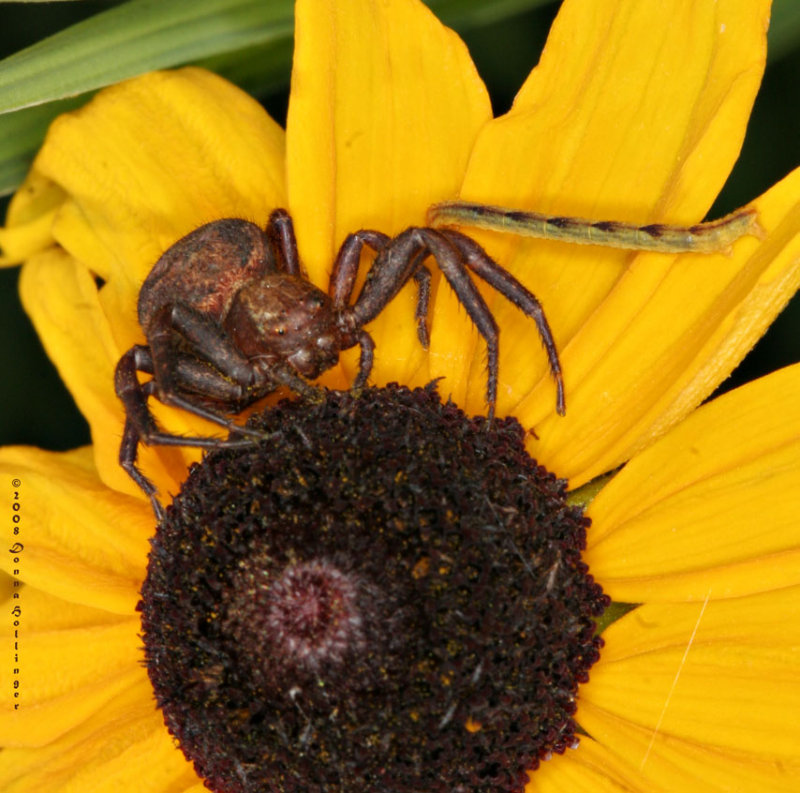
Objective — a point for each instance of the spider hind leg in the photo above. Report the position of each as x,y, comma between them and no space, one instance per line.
141,427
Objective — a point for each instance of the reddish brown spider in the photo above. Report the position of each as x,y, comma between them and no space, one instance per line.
229,317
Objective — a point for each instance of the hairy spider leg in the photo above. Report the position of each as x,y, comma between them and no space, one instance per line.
422,275
400,260
343,279
283,374
128,452
476,258
141,426
345,266
340,289
217,350
283,243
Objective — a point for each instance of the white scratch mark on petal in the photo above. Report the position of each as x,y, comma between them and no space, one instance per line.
674,682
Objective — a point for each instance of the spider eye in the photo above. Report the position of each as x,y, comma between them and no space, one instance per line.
280,331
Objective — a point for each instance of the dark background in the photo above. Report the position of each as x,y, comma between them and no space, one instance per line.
35,408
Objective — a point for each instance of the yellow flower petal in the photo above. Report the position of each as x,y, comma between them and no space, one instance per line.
131,199
663,339
634,113
688,514
69,549
66,676
666,764
55,697
721,673
123,747
30,219
46,613
696,696
62,300
385,107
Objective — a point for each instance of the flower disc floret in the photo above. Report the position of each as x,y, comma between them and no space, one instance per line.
384,596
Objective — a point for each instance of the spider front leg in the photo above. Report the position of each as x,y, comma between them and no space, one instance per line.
237,380
128,452
282,241
450,262
454,253
422,275
342,282
399,261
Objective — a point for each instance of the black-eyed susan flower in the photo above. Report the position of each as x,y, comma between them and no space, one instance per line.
633,113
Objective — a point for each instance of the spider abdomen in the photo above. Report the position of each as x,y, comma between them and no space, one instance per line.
207,268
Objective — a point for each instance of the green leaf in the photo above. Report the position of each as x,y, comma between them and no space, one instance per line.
136,37
247,41
584,495
463,14
614,612
259,70
784,28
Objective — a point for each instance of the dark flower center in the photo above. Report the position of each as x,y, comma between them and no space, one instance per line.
385,596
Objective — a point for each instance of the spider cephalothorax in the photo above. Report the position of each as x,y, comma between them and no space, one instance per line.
229,317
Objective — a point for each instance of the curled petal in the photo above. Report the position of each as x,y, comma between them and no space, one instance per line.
29,222
123,217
